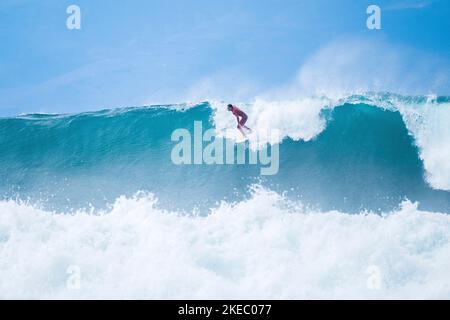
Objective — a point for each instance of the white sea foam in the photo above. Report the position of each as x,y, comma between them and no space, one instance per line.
265,247
298,119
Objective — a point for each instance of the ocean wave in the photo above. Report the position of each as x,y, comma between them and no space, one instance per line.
367,151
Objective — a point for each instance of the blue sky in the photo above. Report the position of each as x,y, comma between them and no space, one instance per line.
140,52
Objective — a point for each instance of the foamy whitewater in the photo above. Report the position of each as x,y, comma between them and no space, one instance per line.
92,206
259,248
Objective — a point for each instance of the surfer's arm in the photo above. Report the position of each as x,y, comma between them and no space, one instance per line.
238,120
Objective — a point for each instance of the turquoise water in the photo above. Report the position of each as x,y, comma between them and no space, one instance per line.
364,159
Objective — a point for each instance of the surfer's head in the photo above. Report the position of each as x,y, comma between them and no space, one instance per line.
230,107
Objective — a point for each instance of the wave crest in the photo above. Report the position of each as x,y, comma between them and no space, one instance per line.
426,118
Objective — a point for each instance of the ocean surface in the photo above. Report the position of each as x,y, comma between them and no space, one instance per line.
359,207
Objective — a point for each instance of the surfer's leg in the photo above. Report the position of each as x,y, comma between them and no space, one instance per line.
242,124
242,131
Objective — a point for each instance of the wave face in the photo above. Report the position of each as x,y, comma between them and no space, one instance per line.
359,153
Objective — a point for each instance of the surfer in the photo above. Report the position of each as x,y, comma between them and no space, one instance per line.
241,118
